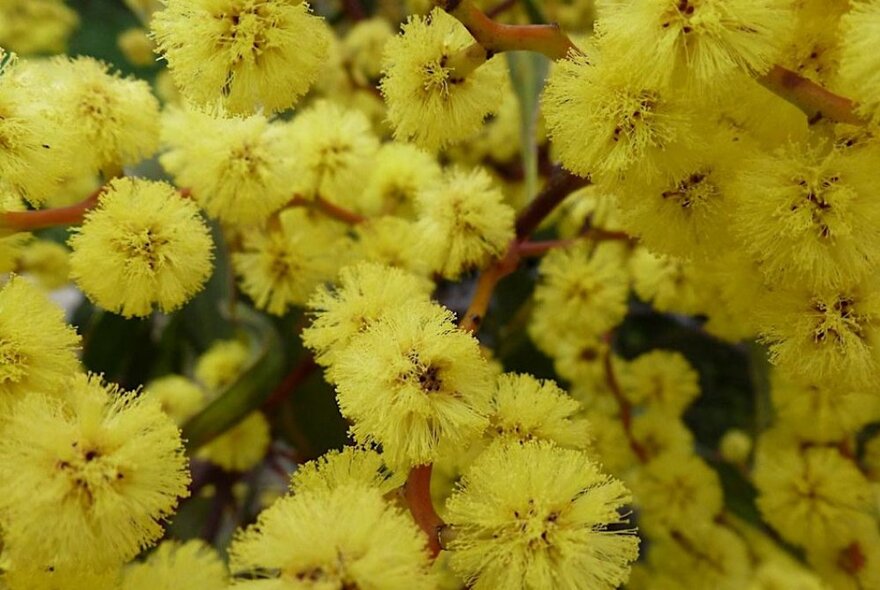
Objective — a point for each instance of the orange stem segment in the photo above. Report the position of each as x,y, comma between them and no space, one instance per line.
418,496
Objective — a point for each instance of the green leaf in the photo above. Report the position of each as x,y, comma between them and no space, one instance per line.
527,73
250,390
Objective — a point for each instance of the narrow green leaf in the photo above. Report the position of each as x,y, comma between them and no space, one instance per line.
527,73
250,390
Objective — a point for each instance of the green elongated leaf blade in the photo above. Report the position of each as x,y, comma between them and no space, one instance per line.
250,390
527,74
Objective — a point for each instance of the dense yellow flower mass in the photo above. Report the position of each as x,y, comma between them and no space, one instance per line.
335,296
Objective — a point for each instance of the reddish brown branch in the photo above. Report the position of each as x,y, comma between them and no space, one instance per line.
560,184
418,496
327,208
496,37
814,100
44,218
297,375
625,406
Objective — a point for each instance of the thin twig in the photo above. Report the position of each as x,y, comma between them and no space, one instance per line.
625,407
297,375
814,100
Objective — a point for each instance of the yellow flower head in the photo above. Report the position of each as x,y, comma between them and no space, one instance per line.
362,49
525,408
333,148
364,294
173,562
811,496
345,538
695,41
179,397
534,515
143,246
668,283
860,63
823,412
280,266
36,26
851,563
703,555
37,349
428,102
580,293
102,465
250,53
222,364
45,260
398,173
351,466
825,334
393,241
411,380
28,575
35,155
464,221
662,380
117,119
238,168
675,491
240,448
604,120
809,215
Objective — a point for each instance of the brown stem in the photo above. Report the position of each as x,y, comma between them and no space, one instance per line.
625,406
418,496
560,184
327,208
501,8
814,100
496,37
297,375
43,218
489,278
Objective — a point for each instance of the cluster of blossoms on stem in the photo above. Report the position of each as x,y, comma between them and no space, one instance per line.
365,298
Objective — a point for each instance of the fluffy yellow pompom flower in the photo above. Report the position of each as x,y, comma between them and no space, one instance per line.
685,213
703,555
28,575
143,246
860,62
103,466
821,412
35,155
525,408
393,241
45,260
826,334
661,379
397,174
604,120
37,349
696,41
581,291
852,563
238,168
809,216
350,466
222,364
171,563
675,491
279,267
668,283
179,397
117,119
430,101
811,496
36,26
464,221
411,380
345,538
535,516
364,294
241,447
332,150
249,53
